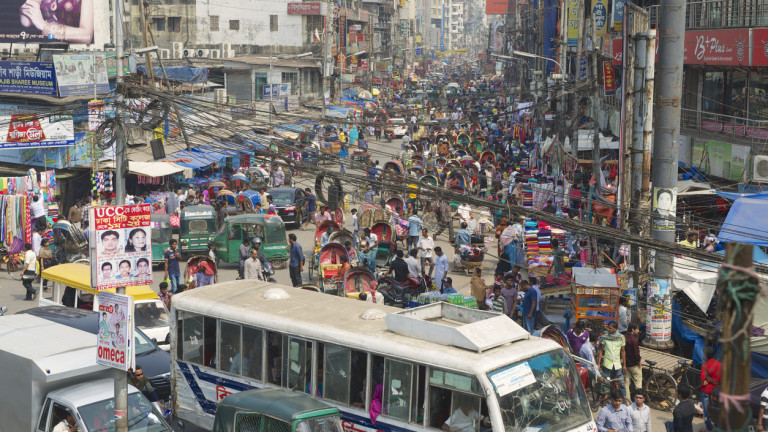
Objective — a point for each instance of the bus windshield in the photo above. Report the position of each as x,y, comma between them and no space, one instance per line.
543,392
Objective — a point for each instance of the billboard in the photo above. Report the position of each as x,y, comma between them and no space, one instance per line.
720,159
600,14
574,16
76,77
716,47
618,14
32,131
306,8
43,21
27,77
115,339
496,7
760,47
121,250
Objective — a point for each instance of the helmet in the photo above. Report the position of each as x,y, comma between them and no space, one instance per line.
256,240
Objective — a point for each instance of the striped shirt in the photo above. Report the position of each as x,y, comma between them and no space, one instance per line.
500,305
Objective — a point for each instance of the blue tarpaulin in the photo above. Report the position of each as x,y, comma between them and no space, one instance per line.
192,159
179,73
686,336
734,196
746,221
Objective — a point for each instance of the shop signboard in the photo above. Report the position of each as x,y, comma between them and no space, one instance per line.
600,14
27,78
121,250
342,32
114,342
760,47
618,14
305,8
659,310
720,159
75,74
496,7
717,47
61,21
31,131
609,83
574,15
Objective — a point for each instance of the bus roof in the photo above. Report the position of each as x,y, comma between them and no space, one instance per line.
78,276
340,321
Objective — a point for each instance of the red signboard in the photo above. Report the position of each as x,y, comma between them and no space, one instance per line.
24,129
304,9
760,47
364,64
609,84
496,7
717,47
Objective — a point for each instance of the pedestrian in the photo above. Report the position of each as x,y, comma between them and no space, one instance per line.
499,302
529,306
296,263
615,416
37,239
75,214
710,380
164,295
399,267
29,272
425,246
172,269
478,289
509,291
611,354
310,206
578,335
253,269
640,412
623,313
441,268
46,260
634,371
682,415
414,226
414,266
355,225
243,253
343,159
762,423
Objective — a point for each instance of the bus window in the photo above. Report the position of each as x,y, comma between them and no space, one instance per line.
253,351
298,364
376,385
465,414
208,349
443,388
275,358
337,374
397,389
192,334
357,381
417,405
229,349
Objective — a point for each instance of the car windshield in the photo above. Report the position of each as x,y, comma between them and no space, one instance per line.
542,393
143,343
330,423
151,314
282,196
197,225
99,416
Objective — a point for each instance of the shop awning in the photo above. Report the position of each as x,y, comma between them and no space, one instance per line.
191,159
158,169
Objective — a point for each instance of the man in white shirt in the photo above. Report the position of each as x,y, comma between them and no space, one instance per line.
465,418
67,425
425,246
414,266
37,239
472,224
464,210
640,413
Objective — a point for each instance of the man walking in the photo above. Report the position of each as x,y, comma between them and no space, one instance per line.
611,355
441,267
75,214
243,253
296,263
529,306
614,417
640,413
414,226
425,246
172,271
632,350
29,272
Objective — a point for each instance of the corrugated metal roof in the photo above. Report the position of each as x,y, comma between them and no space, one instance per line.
264,61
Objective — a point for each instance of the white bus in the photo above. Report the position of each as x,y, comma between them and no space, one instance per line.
436,367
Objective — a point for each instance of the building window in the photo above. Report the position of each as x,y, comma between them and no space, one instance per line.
293,78
273,23
174,24
159,24
214,23
234,24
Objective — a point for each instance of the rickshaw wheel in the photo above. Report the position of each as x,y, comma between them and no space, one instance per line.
278,263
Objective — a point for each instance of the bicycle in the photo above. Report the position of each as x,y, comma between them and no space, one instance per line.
12,263
660,388
601,391
682,374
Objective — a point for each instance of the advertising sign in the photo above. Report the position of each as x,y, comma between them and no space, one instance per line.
308,8
342,32
121,250
496,7
618,14
75,74
115,339
659,310
112,65
600,12
720,159
573,22
760,47
664,208
27,78
30,131
45,21
716,47
364,64
609,82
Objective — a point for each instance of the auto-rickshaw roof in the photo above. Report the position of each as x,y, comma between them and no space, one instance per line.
78,276
254,218
160,217
280,404
198,211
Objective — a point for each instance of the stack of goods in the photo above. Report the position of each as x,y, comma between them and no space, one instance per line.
15,220
471,253
531,239
528,197
559,235
545,241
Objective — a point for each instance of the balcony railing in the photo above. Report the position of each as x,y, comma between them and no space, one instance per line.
713,14
735,128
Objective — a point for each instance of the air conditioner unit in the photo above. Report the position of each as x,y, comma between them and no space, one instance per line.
760,169
215,54
220,96
16,51
230,54
188,53
177,50
165,53
225,47
202,53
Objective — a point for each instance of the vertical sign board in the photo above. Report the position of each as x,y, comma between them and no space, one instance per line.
609,84
574,14
664,208
115,339
121,250
600,12
659,310
618,14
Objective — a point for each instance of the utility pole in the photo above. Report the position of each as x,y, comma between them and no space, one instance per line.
667,133
575,97
120,161
150,71
327,63
738,288
595,108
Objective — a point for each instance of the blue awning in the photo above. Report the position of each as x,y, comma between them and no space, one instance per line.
192,159
746,222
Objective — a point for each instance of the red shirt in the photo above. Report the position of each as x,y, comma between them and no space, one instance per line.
712,369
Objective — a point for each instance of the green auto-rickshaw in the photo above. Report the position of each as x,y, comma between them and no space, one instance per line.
270,410
270,229
197,225
161,235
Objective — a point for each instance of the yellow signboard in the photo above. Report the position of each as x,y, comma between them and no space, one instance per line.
574,15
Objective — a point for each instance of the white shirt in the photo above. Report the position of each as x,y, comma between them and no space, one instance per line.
62,426
36,241
472,225
463,422
426,243
414,266
37,208
464,210
641,418
355,225
372,239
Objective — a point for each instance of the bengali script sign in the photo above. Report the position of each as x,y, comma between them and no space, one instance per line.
27,78
121,250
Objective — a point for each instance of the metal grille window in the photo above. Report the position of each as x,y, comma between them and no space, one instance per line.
174,24
234,24
293,78
159,24
214,25
273,23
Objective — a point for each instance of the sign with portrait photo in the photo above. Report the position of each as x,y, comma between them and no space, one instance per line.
121,250
81,74
114,342
664,208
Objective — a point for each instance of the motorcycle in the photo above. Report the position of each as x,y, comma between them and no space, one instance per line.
268,272
398,293
389,134
3,310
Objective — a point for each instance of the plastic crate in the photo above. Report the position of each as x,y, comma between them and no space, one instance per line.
411,304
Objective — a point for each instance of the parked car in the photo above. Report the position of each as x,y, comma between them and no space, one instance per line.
155,362
400,127
288,203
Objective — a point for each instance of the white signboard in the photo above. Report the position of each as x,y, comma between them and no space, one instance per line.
512,378
121,249
115,339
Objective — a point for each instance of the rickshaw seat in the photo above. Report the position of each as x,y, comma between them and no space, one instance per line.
331,270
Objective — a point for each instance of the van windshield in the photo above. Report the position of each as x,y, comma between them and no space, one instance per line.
330,423
542,393
99,416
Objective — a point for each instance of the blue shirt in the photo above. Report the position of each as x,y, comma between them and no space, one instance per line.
619,419
463,237
173,262
297,255
414,226
528,299
311,203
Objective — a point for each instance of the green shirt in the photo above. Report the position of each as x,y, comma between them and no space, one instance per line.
612,344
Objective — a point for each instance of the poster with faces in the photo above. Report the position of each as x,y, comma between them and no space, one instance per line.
121,250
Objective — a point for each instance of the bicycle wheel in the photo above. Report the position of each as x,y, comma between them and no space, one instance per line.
14,267
661,390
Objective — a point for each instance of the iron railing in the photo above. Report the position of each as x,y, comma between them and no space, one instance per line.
735,128
712,14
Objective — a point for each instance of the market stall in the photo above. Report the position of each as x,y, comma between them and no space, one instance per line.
595,294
